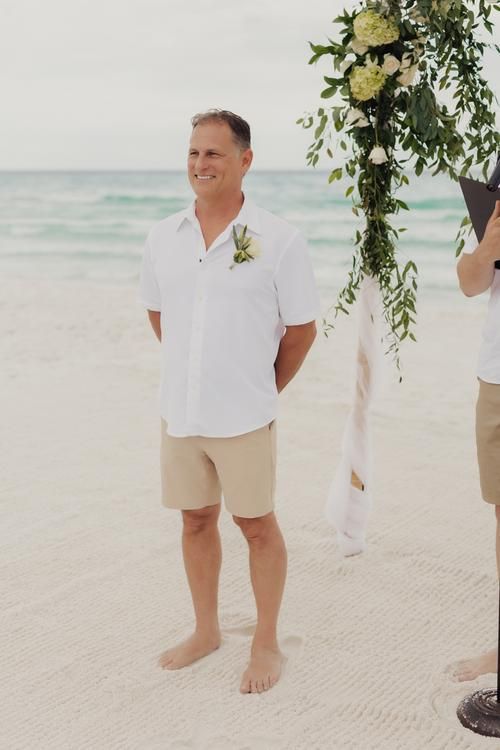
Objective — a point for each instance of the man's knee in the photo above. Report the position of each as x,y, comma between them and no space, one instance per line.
201,518
257,528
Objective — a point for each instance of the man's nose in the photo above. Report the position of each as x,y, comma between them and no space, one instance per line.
200,164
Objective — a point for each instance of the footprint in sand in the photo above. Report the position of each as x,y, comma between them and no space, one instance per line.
243,631
446,693
291,645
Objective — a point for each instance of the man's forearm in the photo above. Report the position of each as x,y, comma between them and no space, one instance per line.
154,319
476,271
291,354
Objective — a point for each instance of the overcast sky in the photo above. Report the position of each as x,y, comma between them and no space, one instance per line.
112,84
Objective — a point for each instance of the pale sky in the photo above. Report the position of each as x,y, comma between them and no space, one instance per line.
112,84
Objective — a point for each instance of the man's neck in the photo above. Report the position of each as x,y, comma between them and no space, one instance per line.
217,212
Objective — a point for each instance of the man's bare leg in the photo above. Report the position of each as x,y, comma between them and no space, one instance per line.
202,551
469,669
268,564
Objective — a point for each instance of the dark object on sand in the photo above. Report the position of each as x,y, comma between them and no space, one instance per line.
480,711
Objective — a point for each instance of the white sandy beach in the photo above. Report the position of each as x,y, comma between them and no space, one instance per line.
93,580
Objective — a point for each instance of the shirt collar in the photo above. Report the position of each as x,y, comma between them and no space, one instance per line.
248,215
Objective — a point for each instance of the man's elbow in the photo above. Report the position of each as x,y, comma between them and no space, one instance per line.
467,291
304,333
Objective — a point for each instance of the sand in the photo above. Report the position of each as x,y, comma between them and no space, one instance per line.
93,582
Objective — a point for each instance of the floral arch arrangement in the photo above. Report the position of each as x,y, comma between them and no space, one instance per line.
393,63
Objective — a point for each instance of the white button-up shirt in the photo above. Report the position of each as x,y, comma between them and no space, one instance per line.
221,326
488,368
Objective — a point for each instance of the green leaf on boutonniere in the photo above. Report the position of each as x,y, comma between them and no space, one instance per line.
246,247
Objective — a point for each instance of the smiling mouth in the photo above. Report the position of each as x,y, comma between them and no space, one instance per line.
205,177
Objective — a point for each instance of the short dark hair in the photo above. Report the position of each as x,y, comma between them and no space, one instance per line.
239,127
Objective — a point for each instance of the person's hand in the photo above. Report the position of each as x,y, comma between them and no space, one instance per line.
490,244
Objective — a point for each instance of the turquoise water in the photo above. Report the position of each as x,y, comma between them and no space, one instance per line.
92,225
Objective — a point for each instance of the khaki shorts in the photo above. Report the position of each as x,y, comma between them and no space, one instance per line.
196,471
488,440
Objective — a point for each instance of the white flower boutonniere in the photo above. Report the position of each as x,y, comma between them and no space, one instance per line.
247,248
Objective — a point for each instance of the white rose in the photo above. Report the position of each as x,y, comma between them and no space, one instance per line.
346,64
356,118
391,64
378,155
358,47
407,76
406,61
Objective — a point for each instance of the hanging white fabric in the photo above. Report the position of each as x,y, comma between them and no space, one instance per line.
350,496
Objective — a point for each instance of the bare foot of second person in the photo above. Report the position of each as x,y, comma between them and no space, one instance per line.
189,650
468,669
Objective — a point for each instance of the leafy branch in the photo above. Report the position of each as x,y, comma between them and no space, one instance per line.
392,63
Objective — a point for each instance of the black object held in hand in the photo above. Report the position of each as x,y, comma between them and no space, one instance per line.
494,181
492,185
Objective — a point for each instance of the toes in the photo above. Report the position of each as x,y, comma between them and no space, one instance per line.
163,661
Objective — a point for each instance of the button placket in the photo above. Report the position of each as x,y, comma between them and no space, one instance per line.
195,351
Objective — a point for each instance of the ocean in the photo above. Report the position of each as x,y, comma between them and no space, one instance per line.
92,225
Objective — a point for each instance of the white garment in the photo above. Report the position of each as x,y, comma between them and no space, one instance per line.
488,368
221,327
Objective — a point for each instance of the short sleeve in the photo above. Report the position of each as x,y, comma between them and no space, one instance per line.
149,290
470,243
298,297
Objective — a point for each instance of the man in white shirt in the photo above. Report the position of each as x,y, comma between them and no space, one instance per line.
477,273
230,294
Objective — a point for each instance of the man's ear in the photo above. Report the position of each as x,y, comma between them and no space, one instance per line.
247,159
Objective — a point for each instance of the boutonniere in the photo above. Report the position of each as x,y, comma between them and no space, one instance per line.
247,248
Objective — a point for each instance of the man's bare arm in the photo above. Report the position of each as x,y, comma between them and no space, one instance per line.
476,270
154,319
292,351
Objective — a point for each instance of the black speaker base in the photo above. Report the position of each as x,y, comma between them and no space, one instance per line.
480,712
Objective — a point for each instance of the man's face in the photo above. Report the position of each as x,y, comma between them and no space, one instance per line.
216,165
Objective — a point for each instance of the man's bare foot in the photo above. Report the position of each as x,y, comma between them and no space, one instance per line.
263,671
189,650
469,669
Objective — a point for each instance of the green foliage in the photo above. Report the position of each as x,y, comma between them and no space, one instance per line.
439,52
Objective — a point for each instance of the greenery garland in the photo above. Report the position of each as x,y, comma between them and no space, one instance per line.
392,61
